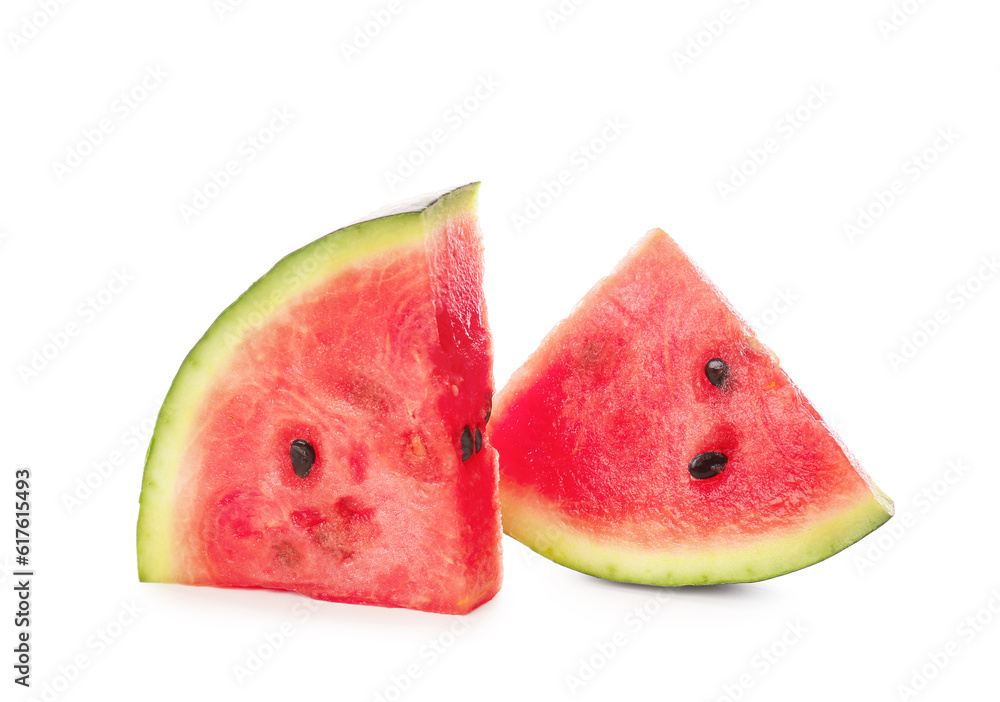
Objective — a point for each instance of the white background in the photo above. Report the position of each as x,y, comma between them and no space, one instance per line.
871,615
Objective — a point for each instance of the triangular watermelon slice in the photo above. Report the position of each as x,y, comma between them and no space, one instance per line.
325,436
653,439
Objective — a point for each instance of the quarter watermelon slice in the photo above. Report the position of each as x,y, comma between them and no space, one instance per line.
325,436
653,439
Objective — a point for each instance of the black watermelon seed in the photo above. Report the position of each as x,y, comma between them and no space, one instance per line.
466,444
479,440
717,372
707,465
303,457
487,420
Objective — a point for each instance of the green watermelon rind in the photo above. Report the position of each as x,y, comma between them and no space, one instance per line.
383,232
528,519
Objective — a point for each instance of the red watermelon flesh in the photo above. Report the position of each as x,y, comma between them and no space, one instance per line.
596,432
378,355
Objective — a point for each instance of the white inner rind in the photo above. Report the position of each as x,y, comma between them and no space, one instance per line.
543,527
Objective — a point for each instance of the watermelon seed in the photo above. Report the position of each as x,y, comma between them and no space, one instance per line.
303,457
487,420
466,444
707,465
479,440
717,372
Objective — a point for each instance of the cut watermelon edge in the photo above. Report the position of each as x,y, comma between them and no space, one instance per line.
295,274
544,526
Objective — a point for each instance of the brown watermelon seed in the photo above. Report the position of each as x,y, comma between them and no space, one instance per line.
717,372
466,444
707,465
479,440
303,457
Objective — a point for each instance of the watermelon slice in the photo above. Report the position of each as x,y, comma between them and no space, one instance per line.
653,439
325,436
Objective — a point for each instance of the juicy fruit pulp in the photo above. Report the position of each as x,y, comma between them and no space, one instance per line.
312,440
651,438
